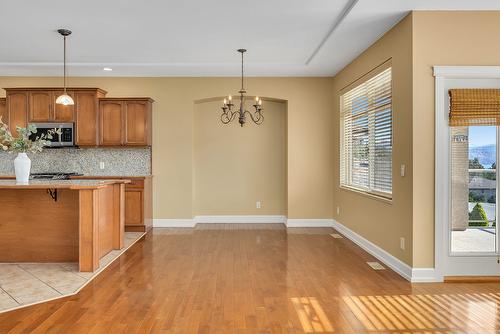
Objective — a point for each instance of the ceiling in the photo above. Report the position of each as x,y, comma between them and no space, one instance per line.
199,37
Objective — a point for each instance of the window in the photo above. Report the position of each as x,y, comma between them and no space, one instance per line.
366,135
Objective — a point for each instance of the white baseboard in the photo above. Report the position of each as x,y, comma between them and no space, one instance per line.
389,260
309,223
174,223
424,275
414,275
240,219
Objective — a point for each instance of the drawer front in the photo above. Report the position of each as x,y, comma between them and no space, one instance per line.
134,183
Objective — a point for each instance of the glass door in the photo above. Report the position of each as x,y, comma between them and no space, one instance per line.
472,239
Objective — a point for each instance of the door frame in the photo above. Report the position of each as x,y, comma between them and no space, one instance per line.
445,77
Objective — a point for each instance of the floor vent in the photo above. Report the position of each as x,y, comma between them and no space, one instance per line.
336,236
376,265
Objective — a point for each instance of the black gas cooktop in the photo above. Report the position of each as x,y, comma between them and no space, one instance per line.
54,176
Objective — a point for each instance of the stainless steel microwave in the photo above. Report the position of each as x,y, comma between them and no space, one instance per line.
66,138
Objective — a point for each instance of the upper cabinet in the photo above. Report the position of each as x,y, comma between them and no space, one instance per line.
137,117
40,106
62,113
17,109
111,122
87,116
3,110
125,121
99,121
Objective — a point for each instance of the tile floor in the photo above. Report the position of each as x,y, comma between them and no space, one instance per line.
23,284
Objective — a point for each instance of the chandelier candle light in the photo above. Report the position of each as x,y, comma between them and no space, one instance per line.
65,99
228,114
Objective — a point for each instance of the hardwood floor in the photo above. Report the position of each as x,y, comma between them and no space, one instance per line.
259,279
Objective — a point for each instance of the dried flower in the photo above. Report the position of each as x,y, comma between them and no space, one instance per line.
24,142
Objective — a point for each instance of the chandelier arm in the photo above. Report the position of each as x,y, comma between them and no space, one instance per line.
229,116
258,119
225,117
233,115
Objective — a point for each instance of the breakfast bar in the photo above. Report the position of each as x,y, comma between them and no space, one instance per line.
61,221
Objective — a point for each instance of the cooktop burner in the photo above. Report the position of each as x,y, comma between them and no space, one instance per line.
54,176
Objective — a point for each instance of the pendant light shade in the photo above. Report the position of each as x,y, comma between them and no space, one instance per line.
65,99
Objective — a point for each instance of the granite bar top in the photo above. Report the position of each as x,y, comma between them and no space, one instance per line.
59,184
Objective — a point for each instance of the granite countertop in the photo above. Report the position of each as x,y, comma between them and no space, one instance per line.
59,184
90,177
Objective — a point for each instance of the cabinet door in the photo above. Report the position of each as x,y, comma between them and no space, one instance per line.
136,123
3,111
134,207
64,113
17,108
41,107
111,122
86,118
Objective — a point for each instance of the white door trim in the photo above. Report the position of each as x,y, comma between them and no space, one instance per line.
442,152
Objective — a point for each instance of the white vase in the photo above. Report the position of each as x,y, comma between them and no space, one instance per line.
22,166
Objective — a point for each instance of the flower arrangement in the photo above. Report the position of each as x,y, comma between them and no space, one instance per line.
24,142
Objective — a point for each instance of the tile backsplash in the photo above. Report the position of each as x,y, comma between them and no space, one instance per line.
87,161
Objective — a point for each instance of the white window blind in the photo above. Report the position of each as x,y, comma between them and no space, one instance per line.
366,136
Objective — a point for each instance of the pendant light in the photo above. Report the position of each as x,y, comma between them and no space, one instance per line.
65,99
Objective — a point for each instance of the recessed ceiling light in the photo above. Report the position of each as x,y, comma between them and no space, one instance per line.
107,69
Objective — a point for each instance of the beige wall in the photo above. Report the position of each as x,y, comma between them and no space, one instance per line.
419,42
309,135
440,38
236,166
381,222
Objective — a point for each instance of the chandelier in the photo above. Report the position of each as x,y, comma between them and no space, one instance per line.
228,115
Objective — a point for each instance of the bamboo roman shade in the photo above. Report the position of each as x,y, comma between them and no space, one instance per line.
474,107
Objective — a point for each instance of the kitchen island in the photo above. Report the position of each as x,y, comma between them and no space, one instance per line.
61,221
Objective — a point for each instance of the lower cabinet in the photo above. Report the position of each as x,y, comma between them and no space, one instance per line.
134,213
138,204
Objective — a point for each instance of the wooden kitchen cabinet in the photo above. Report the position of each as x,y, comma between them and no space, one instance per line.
62,113
138,201
43,107
138,122
99,121
40,106
134,208
17,110
139,204
125,121
87,120
111,122
3,110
